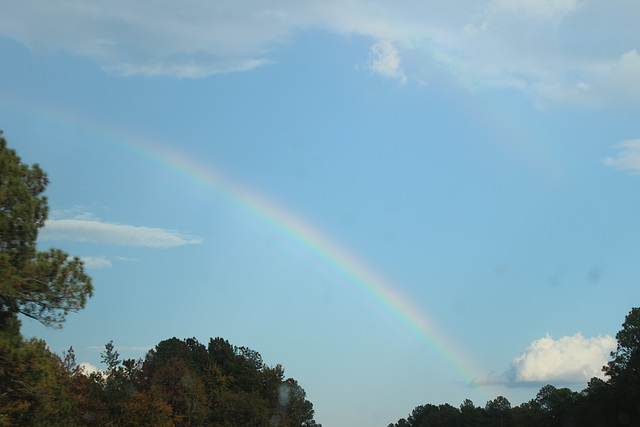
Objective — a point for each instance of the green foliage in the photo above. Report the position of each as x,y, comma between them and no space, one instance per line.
499,412
557,404
45,286
183,390
35,384
470,414
624,370
181,382
293,407
626,357
242,365
529,414
147,408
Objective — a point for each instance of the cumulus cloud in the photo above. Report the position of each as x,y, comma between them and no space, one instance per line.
567,360
104,232
628,158
384,59
96,262
579,52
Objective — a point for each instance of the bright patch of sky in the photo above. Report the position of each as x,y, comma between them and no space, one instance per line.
402,203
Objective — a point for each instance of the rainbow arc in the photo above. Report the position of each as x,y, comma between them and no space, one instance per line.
326,250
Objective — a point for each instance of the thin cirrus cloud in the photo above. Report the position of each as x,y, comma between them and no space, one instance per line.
101,262
104,232
566,360
122,258
628,158
555,51
96,262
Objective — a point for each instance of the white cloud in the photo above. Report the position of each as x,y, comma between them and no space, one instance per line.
560,52
384,59
122,258
88,369
196,39
628,158
96,231
96,262
567,360
76,212
625,72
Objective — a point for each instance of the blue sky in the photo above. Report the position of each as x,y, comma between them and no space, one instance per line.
479,157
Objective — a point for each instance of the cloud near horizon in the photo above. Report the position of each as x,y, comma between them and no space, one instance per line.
543,48
567,360
88,369
95,231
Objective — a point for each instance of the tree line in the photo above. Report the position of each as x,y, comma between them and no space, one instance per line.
603,403
178,383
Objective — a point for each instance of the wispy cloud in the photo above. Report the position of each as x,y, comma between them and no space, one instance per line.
96,262
104,232
544,48
628,158
76,212
122,258
101,262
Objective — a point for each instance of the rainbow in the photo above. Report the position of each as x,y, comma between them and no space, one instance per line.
384,295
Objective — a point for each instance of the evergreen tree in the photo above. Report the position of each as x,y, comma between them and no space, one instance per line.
44,286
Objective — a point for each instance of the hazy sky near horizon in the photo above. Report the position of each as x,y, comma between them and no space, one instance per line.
401,202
